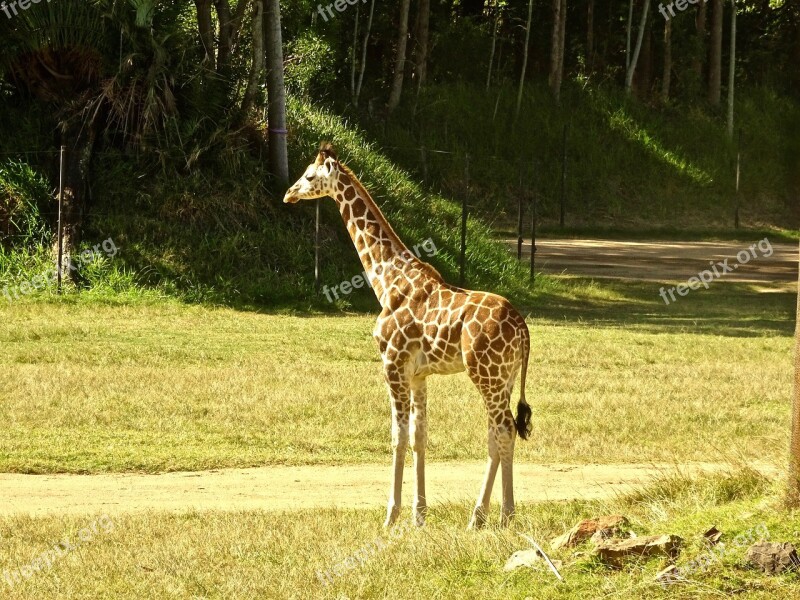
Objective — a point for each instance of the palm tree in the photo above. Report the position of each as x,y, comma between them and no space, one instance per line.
99,65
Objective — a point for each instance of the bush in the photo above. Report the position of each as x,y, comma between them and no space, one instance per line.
24,194
308,71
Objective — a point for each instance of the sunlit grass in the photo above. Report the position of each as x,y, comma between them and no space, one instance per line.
620,121
149,385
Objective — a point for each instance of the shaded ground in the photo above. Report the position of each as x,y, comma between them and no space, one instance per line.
660,260
281,488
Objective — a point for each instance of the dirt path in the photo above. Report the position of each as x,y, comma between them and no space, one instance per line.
292,488
659,260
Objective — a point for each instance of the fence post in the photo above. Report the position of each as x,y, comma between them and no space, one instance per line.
60,234
533,235
563,175
738,173
317,273
424,164
463,258
519,226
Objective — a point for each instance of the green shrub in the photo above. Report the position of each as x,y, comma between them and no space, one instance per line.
307,68
24,194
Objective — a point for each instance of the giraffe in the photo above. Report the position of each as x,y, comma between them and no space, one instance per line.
427,326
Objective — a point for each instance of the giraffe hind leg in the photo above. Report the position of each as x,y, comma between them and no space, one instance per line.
399,393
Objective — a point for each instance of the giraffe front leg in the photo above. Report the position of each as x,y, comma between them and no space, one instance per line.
419,441
399,394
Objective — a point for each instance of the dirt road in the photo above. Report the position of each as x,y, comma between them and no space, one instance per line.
290,488
660,261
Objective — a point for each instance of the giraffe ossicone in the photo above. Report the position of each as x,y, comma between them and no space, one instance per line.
428,327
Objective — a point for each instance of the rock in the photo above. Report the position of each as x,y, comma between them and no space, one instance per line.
712,536
606,526
614,551
773,557
528,558
523,558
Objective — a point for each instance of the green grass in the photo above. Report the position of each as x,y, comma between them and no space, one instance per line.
631,166
277,555
152,385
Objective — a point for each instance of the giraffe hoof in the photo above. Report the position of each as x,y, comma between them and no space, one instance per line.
420,514
391,516
506,518
478,520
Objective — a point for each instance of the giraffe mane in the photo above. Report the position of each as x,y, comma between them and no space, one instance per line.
427,267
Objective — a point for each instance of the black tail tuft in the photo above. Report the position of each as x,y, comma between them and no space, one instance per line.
523,421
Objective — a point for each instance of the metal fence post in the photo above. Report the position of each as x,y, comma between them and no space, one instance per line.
563,176
317,270
60,234
533,235
463,257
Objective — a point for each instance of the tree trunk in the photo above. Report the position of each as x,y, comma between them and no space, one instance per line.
524,58
590,36
667,71
715,55
635,57
699,57
628,37
79,141
205,27
363,64
494,44
229,27
557,48
793,495
400,58
732,70
562,32
276,93
258,57
423,39
354,52
644,76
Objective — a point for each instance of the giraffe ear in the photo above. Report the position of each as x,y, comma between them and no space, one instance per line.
327,151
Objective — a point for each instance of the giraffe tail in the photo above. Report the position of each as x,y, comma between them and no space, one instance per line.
524,412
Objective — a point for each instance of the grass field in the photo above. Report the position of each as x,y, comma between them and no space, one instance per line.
155,386
97,385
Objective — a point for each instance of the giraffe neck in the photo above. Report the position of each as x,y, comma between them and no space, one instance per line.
386,259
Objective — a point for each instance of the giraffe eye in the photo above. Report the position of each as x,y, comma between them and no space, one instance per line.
311,177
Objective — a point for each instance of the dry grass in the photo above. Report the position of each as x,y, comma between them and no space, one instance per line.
278,556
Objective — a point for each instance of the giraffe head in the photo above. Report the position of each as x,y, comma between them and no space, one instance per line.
319,178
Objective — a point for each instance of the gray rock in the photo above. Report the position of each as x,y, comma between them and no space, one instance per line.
616,551
773,557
